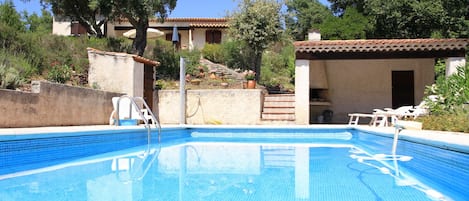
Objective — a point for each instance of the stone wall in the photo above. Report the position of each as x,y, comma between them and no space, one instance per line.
52,104
227,106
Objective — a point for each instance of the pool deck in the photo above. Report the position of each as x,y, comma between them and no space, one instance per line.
438,138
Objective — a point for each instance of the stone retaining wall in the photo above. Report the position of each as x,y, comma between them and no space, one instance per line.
52,104
224,106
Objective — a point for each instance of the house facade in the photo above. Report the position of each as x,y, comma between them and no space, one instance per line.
193,33
357,76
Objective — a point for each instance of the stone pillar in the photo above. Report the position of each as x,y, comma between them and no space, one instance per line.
452,63
302,92
191,45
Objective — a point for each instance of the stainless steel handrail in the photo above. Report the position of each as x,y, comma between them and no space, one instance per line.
155,122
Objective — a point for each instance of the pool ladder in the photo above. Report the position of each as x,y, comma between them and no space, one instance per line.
144,114
142,162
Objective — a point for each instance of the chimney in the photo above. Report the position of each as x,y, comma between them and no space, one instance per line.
314,35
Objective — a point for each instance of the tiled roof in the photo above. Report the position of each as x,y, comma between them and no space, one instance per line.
209,25
144,60
123,54
195,19
186,19
380,45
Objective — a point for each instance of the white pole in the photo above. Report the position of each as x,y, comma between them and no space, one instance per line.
182,90
394,142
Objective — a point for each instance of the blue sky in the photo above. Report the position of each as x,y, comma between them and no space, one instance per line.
184,8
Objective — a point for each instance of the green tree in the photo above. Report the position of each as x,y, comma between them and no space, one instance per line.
257,23
9,16
339,6
411,18
351,25
455,24
303,15
404,18
138,14
91,14
36,23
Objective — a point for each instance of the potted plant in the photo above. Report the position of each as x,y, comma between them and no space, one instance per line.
250,76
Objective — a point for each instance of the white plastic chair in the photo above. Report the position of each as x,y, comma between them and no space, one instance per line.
420,110
395,114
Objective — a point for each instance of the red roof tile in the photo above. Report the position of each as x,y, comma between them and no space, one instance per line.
208,25
186,19
196,19
380,45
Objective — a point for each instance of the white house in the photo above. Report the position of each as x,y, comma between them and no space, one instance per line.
348,76
194,33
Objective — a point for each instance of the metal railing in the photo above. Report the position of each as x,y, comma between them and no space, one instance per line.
143,116
144,162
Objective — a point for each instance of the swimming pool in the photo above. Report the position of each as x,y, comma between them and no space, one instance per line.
228,164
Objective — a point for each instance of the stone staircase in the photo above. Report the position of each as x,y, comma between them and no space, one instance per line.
221,69
279,109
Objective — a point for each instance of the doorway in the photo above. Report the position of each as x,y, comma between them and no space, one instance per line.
402,88
148,84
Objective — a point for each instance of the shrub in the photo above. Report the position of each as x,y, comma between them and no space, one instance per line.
213,52
448,100
278,66
59,73
164,53
15,70
458,121
8,36
9,77
451,92
236,55
192,60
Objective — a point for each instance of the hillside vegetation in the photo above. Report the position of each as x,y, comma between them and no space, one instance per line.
28,51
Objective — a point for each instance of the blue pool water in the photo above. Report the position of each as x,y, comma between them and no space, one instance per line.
228,164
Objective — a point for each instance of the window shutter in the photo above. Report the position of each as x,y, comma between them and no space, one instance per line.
208,36
217,36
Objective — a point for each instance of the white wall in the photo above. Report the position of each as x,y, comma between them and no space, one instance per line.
61,28
116,72
227,106
363,85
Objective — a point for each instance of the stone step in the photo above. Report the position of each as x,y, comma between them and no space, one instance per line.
283,98
279,104
277,110
278,122
278,117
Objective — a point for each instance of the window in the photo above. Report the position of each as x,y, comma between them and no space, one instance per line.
213,36
77,29
169,37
